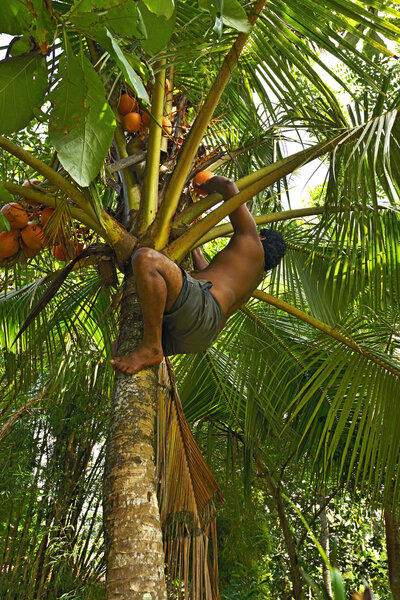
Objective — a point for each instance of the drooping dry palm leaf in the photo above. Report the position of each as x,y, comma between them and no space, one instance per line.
186,494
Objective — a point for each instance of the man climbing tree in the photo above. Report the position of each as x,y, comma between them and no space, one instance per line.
181,313
118,84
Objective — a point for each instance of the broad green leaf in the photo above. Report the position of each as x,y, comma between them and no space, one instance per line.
111,45
234,15
14,17
122,18
23,82
80,6
160,29
81,122
164,8
20,45
337,585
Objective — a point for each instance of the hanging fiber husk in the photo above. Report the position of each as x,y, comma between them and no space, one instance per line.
186,492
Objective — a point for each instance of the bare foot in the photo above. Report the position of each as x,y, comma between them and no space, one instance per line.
137,360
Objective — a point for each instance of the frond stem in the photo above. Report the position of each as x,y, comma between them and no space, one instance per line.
51,200
326,329
169,204
55,178
149,203
256,182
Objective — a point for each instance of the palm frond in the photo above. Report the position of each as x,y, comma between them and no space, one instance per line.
186,495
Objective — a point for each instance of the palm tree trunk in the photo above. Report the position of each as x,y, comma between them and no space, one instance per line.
297,589
392,526
134,551
326,574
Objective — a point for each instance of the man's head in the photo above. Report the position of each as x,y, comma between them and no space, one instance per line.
274,247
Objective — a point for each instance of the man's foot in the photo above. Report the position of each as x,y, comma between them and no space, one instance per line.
137,360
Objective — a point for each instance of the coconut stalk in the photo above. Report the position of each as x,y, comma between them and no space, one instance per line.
162,223
112,232
226,229
149,202
49,199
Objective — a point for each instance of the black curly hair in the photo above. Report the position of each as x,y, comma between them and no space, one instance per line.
274,248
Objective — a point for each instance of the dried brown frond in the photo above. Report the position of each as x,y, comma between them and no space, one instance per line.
186,494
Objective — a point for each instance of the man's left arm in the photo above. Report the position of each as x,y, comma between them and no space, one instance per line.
199,262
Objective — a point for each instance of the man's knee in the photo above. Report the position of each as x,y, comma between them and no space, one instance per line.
144,257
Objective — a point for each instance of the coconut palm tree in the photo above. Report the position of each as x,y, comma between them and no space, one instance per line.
244,80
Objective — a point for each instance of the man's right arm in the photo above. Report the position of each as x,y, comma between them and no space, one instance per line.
241,219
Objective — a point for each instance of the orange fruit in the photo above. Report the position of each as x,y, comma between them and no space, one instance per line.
46,215
60,252
166,125
15,214
64,253
32,236
126,104
131,122
9,243
200,178
146,119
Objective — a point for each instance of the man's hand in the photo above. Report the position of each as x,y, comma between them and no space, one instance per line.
220,185
199,262
241,219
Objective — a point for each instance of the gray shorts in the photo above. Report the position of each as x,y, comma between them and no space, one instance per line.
194,320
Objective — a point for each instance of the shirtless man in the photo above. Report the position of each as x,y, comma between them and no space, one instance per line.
184,313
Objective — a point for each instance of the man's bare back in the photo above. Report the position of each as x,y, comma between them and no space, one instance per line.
234,273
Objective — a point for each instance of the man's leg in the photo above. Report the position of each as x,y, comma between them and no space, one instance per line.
158,283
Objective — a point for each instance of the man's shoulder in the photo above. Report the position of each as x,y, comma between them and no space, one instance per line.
245,246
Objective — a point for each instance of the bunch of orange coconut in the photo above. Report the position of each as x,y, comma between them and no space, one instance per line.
134,120
26,237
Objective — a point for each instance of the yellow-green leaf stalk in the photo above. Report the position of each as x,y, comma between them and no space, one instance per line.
254,184
162,223
110,230
51,200
327,329
149,202
226,229
283,167
52,176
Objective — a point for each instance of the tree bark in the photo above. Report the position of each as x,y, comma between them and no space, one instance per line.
392,526
297,590
326,574
134,550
